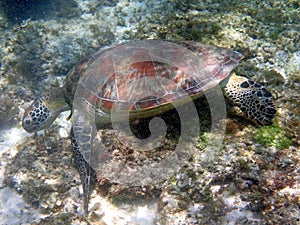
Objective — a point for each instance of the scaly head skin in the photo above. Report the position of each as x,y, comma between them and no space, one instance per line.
255,100
44,110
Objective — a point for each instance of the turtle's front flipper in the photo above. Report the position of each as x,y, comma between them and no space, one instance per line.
254,99
81,141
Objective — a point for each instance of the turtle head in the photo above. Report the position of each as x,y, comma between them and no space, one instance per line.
44,110
256,102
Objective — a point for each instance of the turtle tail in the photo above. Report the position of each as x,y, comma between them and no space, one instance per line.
256,102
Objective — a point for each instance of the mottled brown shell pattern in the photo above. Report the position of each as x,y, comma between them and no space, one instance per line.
160,83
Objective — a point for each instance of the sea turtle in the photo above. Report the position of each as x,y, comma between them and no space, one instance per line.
113,78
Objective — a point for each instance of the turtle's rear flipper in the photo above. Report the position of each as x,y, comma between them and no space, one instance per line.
254,99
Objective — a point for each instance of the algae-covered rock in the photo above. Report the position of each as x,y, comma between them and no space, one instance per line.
8,110
272,136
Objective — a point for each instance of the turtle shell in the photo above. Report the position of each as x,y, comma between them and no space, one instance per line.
150,74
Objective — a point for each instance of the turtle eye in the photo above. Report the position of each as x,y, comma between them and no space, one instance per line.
245,84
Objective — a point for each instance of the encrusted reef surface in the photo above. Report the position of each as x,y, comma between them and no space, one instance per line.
253,178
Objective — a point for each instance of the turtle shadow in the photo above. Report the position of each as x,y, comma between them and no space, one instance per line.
173,121
142,130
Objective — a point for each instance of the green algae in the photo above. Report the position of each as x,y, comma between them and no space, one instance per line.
244,165
203,141
172,180
272,136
